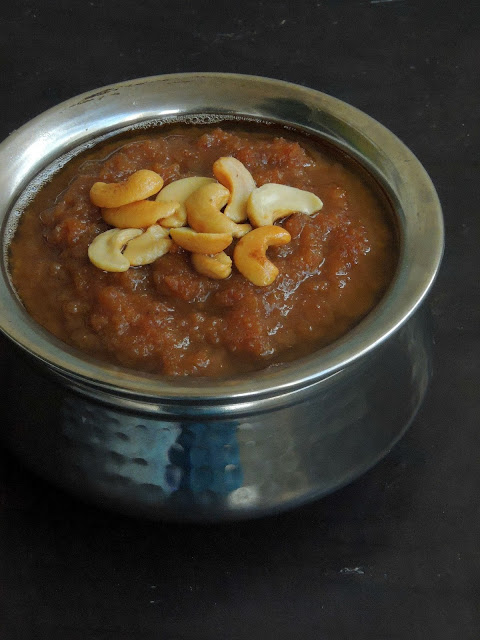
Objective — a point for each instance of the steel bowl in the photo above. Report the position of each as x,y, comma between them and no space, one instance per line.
200,449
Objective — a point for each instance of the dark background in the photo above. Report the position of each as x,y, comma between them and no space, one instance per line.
397,553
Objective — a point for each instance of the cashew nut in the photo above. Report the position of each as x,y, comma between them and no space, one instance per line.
145,249
179,191
239,181
140,185
200,242
138,214
218,266
105,252
204,211
272,201
250,254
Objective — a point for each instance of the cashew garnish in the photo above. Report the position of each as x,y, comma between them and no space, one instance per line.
138,214
179,191
199,200
218,266
105,252
273,201
200,242
204,211
145,249
250,254
140,185
239,181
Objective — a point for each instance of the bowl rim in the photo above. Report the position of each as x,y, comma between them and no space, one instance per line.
33,146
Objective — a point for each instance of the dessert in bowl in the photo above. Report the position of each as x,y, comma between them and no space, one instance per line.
200,397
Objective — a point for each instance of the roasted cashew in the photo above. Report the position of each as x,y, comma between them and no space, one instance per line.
218,266
105,252
200,242
204,211
138,214
250,254
140,185
179,191
145,249
272,201
239,181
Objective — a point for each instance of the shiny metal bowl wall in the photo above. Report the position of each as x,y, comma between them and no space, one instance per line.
206,449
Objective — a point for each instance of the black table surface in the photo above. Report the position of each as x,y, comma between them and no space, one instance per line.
397,553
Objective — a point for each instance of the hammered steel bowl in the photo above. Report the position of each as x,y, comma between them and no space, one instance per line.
200,449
